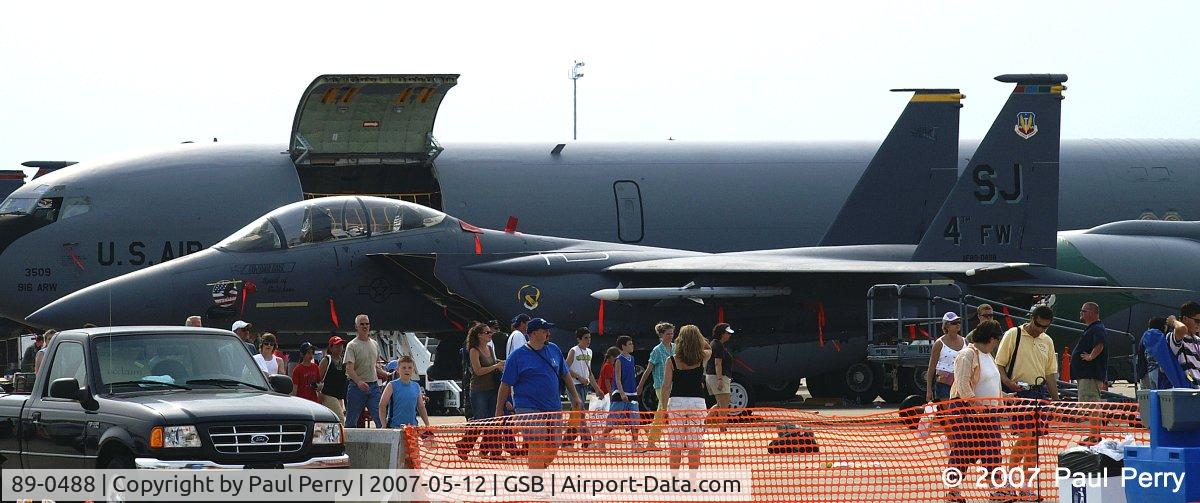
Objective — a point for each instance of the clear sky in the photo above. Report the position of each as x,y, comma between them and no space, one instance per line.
85,80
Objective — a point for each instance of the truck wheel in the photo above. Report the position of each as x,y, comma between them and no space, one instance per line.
120,462
861,382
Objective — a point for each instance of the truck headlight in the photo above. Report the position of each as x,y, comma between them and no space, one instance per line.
174,436
327,433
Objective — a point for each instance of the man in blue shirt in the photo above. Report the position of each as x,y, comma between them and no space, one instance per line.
1089,358
531,375
1089,361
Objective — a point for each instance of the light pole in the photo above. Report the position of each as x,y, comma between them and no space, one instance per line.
576,73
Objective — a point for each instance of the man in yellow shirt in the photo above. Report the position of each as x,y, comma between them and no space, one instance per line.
1026,355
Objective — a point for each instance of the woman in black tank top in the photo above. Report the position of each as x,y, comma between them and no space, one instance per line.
687,382
333,377
683,390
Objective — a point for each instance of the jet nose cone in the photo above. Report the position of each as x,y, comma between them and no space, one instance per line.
100,304
71,311
139,298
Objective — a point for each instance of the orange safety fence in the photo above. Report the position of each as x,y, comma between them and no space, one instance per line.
800,455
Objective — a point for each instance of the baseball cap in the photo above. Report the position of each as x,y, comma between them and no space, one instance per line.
538,324
949,317
391,366
520,318
239,324
306,347
334,341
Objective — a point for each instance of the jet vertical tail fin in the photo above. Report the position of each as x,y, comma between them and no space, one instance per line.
917,162
1004,207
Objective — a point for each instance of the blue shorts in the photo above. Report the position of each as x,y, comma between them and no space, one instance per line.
623,413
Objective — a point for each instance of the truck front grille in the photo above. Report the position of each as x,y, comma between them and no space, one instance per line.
258,438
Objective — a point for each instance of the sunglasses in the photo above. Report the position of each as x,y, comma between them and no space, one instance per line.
1039,325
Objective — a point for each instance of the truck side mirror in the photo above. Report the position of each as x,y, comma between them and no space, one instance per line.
66,388
281,383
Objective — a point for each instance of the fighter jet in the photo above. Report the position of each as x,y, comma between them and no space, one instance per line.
372,135
308,265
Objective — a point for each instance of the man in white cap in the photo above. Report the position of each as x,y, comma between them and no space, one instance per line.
242,329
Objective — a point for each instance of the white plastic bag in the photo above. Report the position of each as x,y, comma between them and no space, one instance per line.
599,404
1113,448
926,422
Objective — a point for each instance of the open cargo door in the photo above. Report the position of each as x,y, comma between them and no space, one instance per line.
369,134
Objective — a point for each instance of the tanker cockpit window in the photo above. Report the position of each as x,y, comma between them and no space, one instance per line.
260,235
18,205
75,206
44,208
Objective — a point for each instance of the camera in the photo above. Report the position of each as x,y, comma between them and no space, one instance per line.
316,386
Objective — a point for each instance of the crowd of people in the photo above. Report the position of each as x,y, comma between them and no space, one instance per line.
1021,362
352,379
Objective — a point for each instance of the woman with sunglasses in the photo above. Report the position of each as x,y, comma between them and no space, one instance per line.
266,359
940,374
484,379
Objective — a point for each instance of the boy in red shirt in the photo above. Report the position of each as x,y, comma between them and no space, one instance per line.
605,382
306,376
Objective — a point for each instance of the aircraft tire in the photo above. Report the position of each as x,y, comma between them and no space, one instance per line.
777,391
860,382
739,396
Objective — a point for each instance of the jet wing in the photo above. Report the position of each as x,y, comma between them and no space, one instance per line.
725,264
1009,277
1034,288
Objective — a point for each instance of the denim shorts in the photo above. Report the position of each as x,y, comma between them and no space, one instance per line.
540,428
622,413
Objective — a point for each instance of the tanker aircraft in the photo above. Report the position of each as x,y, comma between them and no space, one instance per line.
372,135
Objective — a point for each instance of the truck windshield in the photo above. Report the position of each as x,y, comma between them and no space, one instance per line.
133,362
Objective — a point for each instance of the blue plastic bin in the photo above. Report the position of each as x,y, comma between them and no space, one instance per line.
1168,415
1158,462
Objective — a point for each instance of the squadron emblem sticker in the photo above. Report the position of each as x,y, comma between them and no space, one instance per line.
1026,125
529,296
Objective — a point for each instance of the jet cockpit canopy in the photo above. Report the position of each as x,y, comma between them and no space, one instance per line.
330,219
